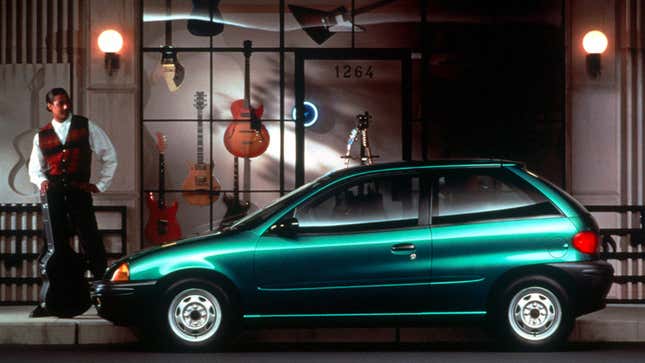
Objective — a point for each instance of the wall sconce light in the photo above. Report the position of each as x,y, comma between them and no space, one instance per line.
110,43
594,43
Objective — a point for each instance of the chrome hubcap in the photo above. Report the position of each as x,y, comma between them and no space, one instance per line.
194,315
534,313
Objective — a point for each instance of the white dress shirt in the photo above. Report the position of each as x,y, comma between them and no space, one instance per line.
99,144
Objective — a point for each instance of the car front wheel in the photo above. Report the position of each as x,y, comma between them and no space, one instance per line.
195,314
535,313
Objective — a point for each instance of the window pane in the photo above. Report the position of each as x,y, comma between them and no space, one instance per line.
353,82
169,97
486,195
391,199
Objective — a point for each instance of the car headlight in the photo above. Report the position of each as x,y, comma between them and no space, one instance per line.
122,273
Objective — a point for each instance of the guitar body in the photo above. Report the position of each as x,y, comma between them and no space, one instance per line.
246,139
235,209
203,9
65,292
199,179
162,225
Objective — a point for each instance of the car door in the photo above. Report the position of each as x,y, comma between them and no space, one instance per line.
361,247
486,221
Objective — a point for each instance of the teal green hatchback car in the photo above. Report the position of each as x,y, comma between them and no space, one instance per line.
397,243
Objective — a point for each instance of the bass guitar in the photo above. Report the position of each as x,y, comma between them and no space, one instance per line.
200,179
162,223
246,139
65,292
235,207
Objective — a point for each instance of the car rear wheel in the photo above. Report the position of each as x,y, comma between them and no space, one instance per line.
195,314
535,314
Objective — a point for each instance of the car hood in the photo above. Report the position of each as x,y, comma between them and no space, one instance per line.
215,241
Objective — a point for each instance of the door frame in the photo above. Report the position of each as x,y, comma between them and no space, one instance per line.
402,54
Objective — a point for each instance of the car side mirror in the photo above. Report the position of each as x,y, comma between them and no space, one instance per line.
286,227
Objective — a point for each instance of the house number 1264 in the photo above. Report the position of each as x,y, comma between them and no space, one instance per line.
348,71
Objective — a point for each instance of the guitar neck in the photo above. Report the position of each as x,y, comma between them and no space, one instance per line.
371,7
162,175
200,138
236,178
247,81
168,24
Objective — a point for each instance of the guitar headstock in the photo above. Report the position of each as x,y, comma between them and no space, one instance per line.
162,141
200,100
247,48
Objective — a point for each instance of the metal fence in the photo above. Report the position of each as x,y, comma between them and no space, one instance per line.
21,242
624,248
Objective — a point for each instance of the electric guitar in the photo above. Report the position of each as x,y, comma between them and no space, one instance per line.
199,175
172,71
235,208
65,292
202,18
162,223
320,25
246,139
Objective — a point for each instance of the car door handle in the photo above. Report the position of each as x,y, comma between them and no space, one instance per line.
402,247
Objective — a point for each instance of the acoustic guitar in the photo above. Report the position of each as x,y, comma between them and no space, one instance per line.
65,292
162,223
200,179
246,139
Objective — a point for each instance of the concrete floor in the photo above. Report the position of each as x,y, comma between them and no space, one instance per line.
616,323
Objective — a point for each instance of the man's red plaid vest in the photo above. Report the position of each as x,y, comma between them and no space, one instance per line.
71,161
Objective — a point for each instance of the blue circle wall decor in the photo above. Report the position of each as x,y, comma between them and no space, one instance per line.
311,114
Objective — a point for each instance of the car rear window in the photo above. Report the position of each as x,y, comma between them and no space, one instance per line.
485,194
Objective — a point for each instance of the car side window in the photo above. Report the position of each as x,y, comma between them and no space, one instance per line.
478,195
374,203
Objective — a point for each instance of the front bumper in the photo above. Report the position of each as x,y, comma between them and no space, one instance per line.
592,281
123,303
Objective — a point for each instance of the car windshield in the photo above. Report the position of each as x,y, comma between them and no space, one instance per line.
260,216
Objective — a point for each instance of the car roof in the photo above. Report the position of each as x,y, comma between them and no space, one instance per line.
428,164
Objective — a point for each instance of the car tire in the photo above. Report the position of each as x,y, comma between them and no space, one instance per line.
533,313
194,315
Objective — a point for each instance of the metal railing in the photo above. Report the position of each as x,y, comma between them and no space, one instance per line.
624,248
21,242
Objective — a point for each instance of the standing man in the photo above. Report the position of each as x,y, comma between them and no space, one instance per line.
60,166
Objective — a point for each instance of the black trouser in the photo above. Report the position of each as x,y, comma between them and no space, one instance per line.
71,212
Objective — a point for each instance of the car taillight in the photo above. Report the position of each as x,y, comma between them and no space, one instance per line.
586,242
122,273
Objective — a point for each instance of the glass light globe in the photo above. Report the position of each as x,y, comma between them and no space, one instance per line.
594,42
110,41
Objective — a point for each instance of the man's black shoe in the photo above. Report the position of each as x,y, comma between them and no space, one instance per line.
39,312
